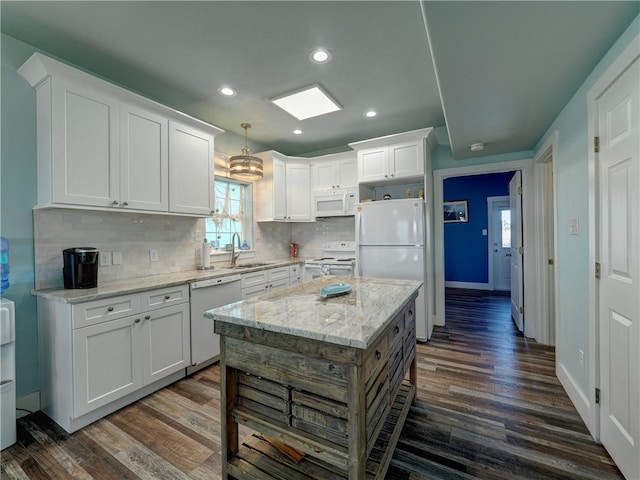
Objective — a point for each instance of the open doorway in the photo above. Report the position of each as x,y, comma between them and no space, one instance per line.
479,253
473,280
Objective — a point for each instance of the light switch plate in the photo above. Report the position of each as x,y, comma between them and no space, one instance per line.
105,259
574,228
153,254
117,258
198,236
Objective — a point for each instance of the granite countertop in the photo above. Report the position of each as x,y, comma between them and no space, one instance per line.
355,319
140,284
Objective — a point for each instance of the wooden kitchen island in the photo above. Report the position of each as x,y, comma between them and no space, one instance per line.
333,378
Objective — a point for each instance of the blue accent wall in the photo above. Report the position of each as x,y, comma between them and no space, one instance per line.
466,257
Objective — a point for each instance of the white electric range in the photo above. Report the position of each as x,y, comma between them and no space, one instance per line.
338,258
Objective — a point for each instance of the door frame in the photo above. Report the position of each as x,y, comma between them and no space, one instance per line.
587,408
491,203
529,233
547,333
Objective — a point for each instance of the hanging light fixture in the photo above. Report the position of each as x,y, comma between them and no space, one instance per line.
245,166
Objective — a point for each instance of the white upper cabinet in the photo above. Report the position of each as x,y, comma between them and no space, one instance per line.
143,159
334,171
102,147
393,158
284,193
190,161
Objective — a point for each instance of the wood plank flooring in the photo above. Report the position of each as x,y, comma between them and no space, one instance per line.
489,406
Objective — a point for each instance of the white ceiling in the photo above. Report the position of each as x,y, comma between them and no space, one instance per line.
504,69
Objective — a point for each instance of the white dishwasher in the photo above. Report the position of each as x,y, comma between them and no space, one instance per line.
206,295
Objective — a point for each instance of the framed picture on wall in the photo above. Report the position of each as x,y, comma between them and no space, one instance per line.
456,211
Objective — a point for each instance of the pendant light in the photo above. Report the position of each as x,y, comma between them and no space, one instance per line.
245,166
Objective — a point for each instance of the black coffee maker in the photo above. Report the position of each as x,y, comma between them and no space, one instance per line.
80,269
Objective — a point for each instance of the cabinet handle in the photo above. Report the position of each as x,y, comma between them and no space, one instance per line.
167,297
386,176
109,309
397,329
411,313
115,202
137,320
147,317
378,354
393,175
124,204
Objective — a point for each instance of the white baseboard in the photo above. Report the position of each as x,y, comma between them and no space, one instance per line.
585,407
469,285
27,404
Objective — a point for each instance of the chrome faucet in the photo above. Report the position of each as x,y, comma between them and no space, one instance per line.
234,257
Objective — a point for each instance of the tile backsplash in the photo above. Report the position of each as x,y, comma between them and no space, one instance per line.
133,235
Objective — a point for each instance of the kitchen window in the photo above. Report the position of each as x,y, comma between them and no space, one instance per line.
233,214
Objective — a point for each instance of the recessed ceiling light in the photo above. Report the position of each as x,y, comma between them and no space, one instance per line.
227,91
320,55
477,147
297,131
370,113
307,103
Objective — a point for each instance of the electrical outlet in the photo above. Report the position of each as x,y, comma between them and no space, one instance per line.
117,258
153,254
581,358
198,236
198,252
105,259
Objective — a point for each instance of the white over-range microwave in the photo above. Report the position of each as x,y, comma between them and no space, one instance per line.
337,202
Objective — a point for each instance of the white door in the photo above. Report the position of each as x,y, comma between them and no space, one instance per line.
619,286
517,286
501,244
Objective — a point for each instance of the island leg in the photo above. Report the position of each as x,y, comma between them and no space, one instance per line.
228,394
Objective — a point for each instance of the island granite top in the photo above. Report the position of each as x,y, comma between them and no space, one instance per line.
355,319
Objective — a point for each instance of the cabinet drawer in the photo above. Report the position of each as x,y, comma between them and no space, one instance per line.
252,279
294,270
254,290
279,283
164,297
92,313
374,359
278,273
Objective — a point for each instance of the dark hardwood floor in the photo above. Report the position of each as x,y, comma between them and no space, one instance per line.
489,406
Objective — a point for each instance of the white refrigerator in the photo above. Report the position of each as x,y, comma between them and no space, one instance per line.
390,243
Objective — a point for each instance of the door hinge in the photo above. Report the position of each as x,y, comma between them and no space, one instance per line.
597,270
596,144
550,261
521,310
521,250
598,396
519,190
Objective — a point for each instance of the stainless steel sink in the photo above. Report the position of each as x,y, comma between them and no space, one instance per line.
250,265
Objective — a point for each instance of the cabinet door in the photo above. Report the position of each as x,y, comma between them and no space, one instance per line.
144,164
298,191
107,359
372,164
347,173
190,170
85,168
166,342
325,176
279,190
406,160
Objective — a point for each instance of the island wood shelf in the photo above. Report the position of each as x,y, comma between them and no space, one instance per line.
342,406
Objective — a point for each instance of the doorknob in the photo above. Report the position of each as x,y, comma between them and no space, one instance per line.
508,255
495,250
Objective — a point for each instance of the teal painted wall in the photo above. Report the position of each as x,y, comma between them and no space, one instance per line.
17,198
572,178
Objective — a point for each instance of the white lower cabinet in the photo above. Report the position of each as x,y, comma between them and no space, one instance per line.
97,357
263,281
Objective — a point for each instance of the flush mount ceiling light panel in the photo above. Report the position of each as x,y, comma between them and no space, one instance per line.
306,103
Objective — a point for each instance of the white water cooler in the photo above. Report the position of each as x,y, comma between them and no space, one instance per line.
7,373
